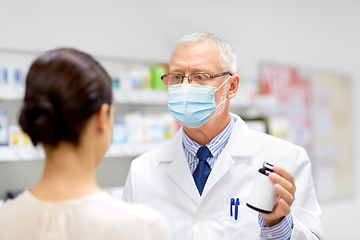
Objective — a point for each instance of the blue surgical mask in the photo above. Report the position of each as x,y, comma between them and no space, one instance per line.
191,104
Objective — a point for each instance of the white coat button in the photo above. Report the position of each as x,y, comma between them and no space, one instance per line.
202,218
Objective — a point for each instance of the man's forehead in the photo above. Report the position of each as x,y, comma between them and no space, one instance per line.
202,45
190,52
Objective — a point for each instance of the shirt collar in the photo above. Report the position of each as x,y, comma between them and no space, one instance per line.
215,146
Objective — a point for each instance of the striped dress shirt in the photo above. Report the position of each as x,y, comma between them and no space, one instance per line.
215,146
281,231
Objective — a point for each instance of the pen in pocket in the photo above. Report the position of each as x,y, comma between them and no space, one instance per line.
232,203
236,208
236,205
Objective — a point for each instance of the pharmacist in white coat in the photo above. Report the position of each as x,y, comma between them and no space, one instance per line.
202,178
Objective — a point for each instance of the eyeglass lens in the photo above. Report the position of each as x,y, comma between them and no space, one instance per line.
197,78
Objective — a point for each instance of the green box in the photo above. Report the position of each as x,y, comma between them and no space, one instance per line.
156,73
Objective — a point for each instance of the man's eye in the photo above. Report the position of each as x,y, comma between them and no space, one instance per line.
177,77
201,77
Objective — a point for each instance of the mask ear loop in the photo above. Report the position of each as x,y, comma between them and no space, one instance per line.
219,88
223,83
221,103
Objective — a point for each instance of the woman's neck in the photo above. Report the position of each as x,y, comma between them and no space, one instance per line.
69,173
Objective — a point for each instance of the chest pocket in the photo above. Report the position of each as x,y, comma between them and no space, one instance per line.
246,225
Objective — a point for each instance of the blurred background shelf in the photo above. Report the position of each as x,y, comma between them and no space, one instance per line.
8,154
11,93
147,97
130,149
120,96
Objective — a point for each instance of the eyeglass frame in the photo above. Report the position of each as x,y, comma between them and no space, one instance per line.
182,79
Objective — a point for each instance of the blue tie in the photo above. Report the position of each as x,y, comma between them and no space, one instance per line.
203,169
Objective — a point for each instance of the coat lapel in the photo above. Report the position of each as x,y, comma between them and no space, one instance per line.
221,167
237,149
179,170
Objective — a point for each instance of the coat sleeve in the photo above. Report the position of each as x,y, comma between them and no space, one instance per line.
305,210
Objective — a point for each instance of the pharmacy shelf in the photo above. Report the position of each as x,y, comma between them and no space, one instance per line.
11,93
140,96
131,149
9,154
120,96
150,97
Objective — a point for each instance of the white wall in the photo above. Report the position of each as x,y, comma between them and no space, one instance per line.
319,34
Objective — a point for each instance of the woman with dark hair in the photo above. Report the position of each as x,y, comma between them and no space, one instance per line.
68,109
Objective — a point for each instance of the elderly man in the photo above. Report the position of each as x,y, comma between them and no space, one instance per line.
202,178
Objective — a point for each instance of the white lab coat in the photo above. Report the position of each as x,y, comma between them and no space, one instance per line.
162,180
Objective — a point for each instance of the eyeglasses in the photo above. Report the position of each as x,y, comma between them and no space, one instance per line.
195,78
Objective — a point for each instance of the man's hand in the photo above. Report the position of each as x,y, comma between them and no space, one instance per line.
285,188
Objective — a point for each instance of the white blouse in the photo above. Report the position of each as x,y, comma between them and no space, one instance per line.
91,217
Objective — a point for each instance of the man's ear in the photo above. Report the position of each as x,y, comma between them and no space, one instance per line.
102,117
233,86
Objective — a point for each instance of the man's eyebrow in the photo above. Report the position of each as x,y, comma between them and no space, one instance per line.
198,70
203,70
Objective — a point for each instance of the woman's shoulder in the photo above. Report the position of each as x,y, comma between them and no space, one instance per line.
21,200
132,217
16,209
98,203
98,211
111,205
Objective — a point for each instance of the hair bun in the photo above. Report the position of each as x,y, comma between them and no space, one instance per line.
39,119
64,89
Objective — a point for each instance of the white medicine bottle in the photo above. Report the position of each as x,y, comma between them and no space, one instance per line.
262,195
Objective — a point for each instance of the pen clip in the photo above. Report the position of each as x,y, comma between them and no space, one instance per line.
232,203
236,208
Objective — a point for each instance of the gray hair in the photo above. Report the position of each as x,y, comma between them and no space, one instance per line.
227,55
